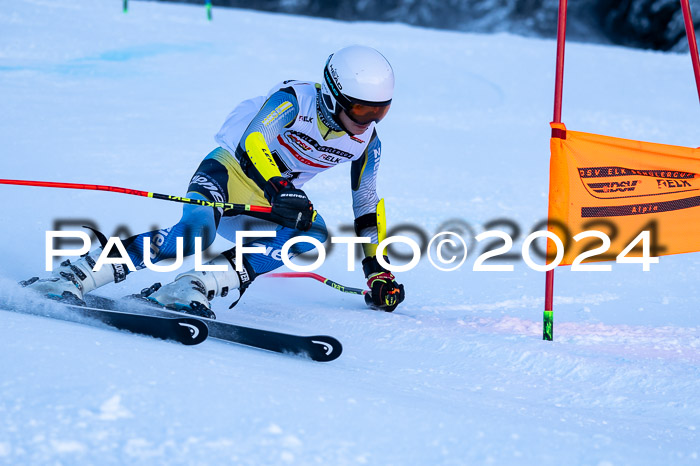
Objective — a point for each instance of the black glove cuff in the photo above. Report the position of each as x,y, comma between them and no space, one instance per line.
371,266
365,221
275,185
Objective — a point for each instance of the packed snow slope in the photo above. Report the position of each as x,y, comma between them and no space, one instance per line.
459,373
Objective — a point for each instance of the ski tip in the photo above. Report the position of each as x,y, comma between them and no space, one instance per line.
192,331
325,348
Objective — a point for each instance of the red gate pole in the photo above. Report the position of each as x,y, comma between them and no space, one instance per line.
548,318
559,78
692,43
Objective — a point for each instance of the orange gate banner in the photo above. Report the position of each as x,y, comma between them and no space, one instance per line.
622,187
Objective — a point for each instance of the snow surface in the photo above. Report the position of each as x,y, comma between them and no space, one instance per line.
459,373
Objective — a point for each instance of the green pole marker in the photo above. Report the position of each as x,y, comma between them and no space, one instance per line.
125,6
548,325
209,10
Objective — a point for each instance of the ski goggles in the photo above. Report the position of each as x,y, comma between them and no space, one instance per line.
363,113
360,111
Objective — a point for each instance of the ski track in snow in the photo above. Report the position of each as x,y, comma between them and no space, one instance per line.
458,374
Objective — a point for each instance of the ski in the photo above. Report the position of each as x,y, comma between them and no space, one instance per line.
181,329
321,348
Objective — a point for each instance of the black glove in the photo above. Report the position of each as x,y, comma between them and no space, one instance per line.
385,294
290,206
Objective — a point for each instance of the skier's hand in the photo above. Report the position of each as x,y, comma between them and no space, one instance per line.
290,206
385,292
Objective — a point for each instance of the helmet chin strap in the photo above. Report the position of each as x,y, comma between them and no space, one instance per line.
335,116
337,120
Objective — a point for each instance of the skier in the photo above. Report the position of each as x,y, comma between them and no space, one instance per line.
268,149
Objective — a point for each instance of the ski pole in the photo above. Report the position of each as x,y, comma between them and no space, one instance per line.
231,208
319,278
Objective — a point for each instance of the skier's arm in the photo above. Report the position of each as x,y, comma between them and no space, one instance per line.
276,114
385,292
290,206
364,194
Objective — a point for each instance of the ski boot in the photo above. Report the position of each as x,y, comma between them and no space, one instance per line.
72,281
192,291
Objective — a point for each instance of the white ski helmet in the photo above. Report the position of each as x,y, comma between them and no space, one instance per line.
359,80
